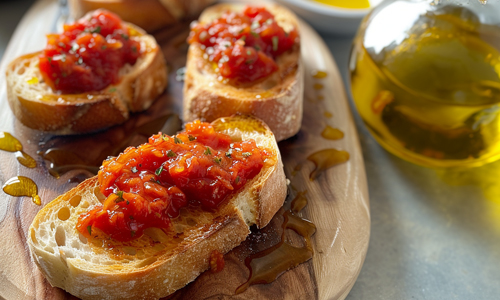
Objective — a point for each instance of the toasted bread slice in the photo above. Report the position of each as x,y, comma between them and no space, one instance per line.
154,14
156,264
277,100
39,107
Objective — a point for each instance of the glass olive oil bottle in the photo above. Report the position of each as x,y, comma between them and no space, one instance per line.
425,78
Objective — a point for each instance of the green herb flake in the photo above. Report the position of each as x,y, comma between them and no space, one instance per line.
249,52
128,202
191,138
49,59
237,179
89,229
158,171
254,34
246,154
112,90
96,30
275,43
228,153
257,47
243,38
208,151
171,153
177,140
165,137
134,49
103,47
217,160
125,37
120,197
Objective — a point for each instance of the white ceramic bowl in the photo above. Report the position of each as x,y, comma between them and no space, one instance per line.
326,18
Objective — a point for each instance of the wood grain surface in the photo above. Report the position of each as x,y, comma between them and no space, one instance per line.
337,199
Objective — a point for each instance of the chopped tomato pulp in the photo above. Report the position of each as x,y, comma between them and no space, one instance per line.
244,45
147,185
89,54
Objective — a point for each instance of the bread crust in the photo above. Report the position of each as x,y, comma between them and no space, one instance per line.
115,273
154,14
278,100
37,106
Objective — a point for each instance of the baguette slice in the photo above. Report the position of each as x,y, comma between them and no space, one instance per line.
277,100
37,106
150,15
156,264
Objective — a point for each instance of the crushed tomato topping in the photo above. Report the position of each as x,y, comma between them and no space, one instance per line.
89,54
148,185
244,45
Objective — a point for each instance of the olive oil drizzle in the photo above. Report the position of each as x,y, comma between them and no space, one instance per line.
318,86
331,133
318,74
267,265
325,159
25,159
63,158
22,186
10,144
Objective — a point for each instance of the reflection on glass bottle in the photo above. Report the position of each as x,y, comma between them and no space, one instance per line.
425,78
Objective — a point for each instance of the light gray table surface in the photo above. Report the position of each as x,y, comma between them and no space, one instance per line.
435,234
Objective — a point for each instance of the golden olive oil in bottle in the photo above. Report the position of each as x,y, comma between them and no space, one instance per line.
426,82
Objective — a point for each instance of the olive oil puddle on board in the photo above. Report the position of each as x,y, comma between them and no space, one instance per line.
22,186
487,179
267,265
318,74
64,154
11,144
331,133
325,159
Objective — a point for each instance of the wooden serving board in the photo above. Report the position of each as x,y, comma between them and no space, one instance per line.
337,198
